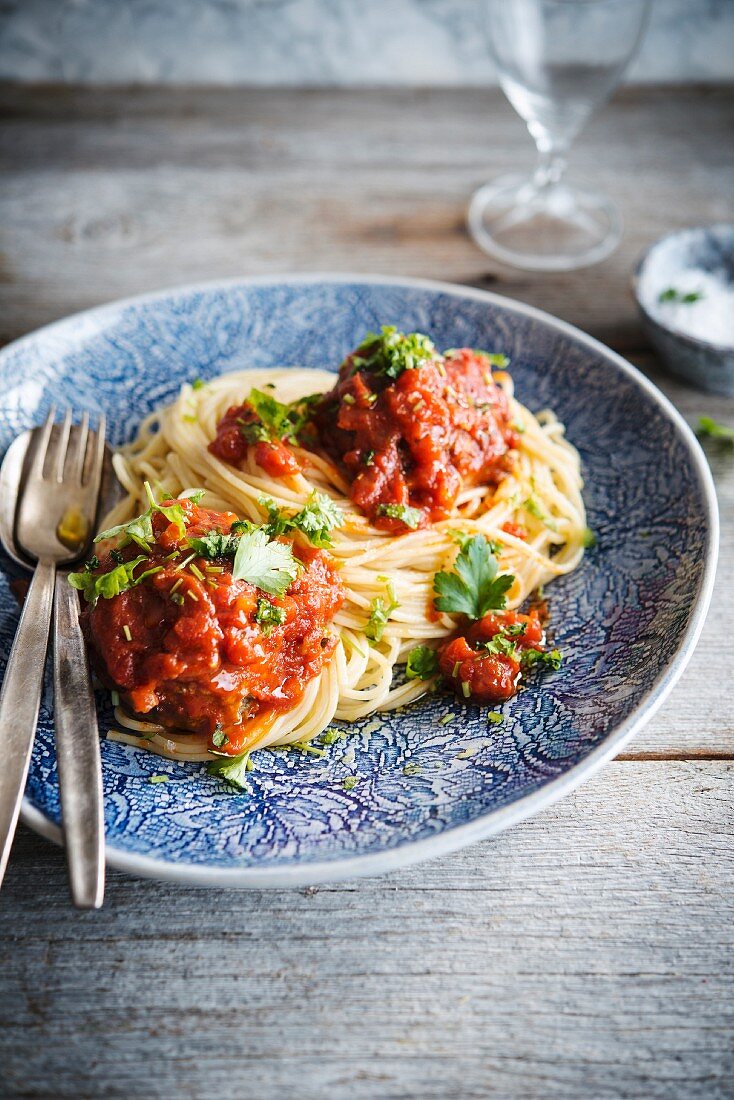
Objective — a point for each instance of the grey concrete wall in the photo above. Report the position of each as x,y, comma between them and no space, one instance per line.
313,42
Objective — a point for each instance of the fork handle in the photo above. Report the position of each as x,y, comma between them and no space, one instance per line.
20,700
77,752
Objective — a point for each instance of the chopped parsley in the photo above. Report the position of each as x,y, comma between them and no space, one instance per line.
495,717
446,719
233,769
215,545
274,419
107,585
422,663
158,778
197,384
412,769
496,358
538,658
390,352
268,615
332,734
349,782
588,539
474,588
673,295
531,505
411,517
140,529
708,427
380,612
269,565
219,737
319,516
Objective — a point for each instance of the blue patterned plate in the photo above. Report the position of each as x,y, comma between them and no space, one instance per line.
627,620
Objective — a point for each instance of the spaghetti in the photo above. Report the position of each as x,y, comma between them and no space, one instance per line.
534,518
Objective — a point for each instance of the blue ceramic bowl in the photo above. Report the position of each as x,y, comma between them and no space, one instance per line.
627,619
704,363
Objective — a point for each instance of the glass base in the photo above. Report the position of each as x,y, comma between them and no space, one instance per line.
553,227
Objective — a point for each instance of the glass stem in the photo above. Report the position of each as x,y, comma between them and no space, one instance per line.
550,168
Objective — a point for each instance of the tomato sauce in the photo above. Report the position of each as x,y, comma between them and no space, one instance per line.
189,653
420,439
489,677
230,444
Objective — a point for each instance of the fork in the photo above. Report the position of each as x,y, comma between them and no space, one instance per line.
54,525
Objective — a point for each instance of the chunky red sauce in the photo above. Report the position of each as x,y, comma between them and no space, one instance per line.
489,677
230,444
189,653
420,439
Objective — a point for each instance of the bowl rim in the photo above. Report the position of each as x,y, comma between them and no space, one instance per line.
696,342
407,852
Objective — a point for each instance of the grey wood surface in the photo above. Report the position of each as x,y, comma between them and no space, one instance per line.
586,953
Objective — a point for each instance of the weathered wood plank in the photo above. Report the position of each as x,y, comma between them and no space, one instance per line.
585,953
129,191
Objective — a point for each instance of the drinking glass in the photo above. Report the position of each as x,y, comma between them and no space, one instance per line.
557,61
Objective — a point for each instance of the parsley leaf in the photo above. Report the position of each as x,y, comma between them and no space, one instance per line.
474,588
673,295
411,517
140,529
461,538
422,663
107,585
233,769
268,615
380,612
316,520
534,658
219,737
390,352
707,426
588,539
268,565
276,420
215,545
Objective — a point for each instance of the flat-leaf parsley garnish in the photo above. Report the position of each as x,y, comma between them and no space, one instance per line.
390,352
269,565
319,516
411,517
274,419
233,769
474,588
268,615
107,585
422,663
380,612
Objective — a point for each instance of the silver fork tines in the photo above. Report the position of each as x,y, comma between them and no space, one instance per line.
54,523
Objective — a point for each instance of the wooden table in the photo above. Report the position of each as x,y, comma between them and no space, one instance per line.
584,954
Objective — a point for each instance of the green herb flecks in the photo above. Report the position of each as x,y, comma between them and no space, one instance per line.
319,516
411,517
268,615
390,352
422,663
380,612
684,297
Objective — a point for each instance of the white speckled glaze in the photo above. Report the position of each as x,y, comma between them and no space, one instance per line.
703,363
628,619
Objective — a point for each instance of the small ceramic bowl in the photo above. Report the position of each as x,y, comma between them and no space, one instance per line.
670,262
